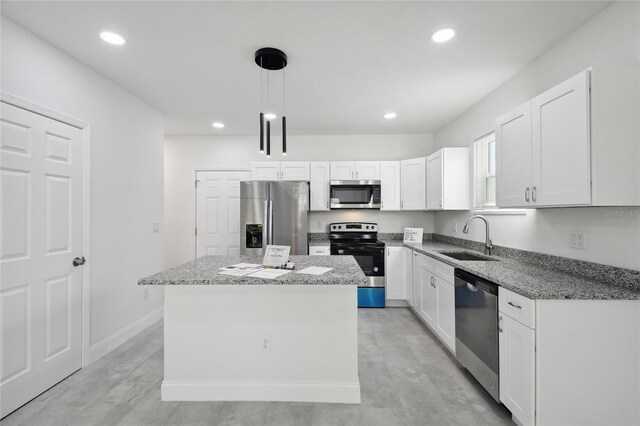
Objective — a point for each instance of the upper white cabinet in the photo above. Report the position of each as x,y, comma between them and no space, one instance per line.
273,170
355,170
543,149
397,263
513,157
413,192
448,179
561,150
319,185
390,185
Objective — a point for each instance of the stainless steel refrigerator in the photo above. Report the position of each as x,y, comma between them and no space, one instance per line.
273,213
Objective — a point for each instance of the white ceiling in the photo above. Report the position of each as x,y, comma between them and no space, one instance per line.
349,62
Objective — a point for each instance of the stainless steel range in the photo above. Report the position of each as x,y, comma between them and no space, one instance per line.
360,240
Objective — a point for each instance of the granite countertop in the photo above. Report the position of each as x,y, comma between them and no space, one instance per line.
320,242
204,271
528,279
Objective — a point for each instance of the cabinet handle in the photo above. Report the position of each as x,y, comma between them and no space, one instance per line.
327,204
526,195
514,305
415,254
357,174
500,323
533,194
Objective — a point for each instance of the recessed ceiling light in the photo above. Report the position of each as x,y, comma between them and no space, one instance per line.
112,38
218,125
443,35
270,116
390,115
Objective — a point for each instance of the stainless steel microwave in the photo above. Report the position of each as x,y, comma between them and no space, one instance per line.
355,194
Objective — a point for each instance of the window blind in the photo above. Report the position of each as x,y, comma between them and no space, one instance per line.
484,154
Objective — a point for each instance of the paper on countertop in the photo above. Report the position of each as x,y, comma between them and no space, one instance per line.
238,272
246,265
269,273
314,270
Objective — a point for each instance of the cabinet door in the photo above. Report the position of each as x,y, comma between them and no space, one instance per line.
415,282
319,185
413,184
263,170
390,185
428,298
396,272
517,368
561,147
513,158
343,170
368,170
445,312
434,181
319,250
294,170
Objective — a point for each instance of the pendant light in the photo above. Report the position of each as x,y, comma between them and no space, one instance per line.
271,59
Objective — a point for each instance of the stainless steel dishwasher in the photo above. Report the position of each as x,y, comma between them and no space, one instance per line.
477,329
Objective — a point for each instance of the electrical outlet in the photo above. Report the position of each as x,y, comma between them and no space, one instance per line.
578,240
455,228
145,295
265,343
155,227
320,225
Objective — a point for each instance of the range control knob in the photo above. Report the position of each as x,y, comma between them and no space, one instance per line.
339,227
367,226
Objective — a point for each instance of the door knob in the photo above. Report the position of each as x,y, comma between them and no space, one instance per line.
79,261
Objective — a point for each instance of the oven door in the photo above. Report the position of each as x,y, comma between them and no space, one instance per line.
355,194
370,257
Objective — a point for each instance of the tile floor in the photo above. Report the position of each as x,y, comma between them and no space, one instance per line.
407,377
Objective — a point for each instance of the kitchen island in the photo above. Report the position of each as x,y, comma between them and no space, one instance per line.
239,338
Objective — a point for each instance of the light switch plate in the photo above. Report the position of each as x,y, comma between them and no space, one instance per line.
155,227
577,240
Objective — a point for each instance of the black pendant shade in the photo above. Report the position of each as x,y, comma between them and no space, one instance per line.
268,138
261,132
284,135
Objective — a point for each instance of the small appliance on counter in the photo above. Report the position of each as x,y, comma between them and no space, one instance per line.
360,240
355,194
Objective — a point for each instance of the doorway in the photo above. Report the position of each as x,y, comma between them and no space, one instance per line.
42,233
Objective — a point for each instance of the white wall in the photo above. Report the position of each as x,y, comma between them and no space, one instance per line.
610,43
126,174
183,154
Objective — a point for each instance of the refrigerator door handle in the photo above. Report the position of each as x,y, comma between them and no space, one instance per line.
265,232
270,223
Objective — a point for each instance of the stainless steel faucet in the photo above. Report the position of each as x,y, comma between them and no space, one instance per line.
488,245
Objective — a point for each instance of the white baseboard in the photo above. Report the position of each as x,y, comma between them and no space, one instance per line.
347,393
108,344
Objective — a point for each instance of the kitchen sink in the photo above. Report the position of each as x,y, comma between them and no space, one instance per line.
465,255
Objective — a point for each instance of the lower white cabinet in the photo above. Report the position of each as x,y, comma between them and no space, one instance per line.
396,267
319,250
432,296
445,312
517,368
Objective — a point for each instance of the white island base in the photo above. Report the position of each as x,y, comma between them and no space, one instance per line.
214,348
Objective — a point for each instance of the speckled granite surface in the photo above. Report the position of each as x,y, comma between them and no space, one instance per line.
204,271
529,279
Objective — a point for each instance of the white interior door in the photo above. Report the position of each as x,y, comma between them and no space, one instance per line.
218,212
41,233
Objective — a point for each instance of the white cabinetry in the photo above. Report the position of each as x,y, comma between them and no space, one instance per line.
319,185
273,170
390,185
319,250
413,193
355,170
517,368
397,263
543,149
433,296
448,179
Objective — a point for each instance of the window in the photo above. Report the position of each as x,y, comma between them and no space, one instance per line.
484,179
